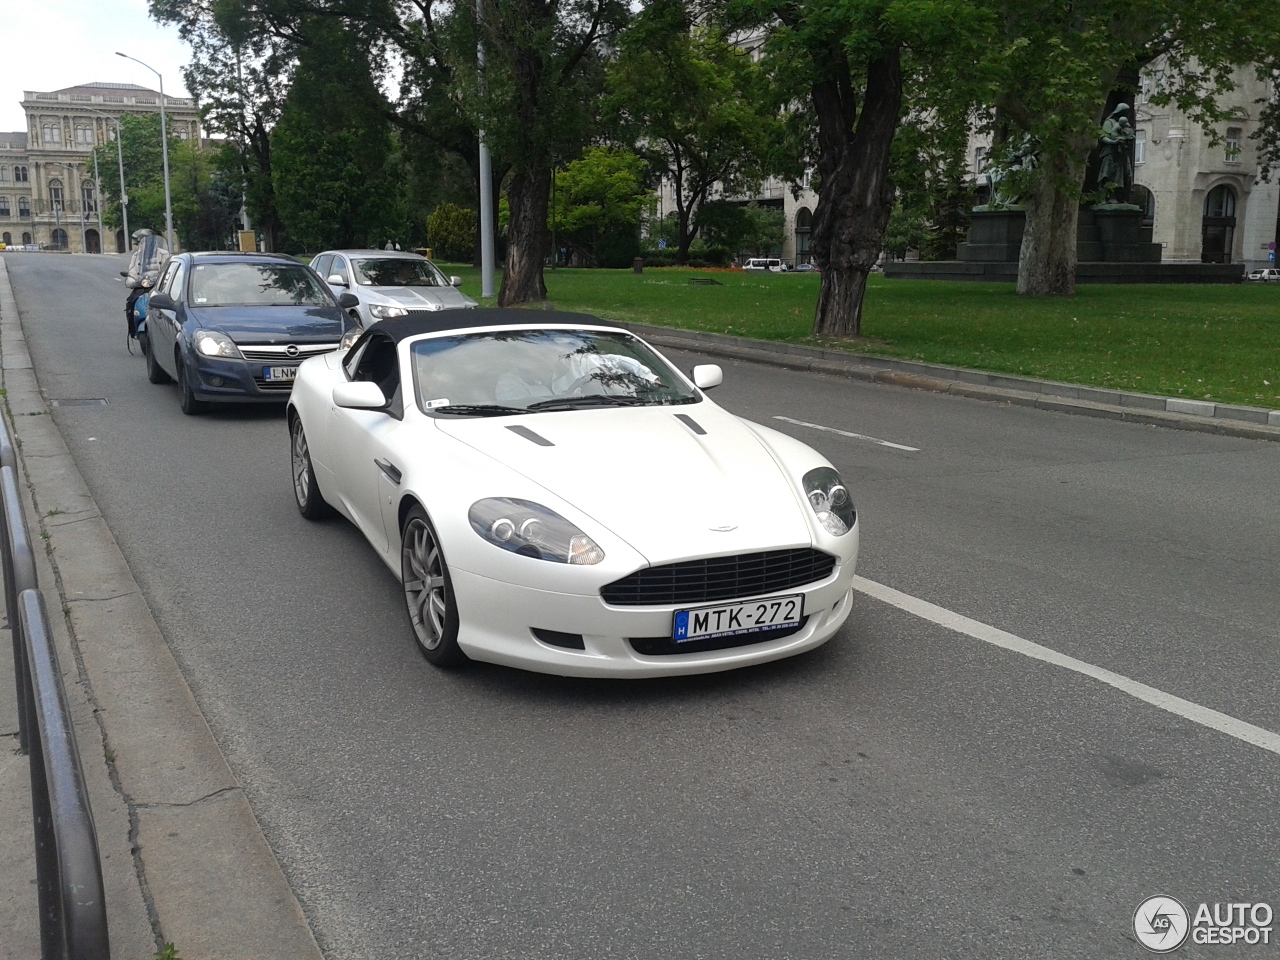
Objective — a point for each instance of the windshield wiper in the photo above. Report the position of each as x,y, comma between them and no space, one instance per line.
478,410
597,400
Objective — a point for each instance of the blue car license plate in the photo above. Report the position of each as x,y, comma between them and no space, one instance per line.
733,619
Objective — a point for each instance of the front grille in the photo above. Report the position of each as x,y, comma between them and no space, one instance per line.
273,386
720,578
278,354
667,647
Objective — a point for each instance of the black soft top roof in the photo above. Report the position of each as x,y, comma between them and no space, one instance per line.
402,328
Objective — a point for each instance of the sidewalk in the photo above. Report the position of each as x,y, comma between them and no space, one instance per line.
183,858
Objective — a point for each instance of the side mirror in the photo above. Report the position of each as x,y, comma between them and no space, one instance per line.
161,301
455,281
348,301
359,395
707,375
336,280
124,273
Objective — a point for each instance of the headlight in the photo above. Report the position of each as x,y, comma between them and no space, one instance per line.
349,338
385,312
214,344
532,530
830,500
145,283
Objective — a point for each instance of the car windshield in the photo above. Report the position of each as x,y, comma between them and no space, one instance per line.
398,272
519,371
256,284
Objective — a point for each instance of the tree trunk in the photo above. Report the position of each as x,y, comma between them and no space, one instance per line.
1047,260
856,197
528,197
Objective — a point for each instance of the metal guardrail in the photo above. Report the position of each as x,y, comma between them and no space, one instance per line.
72,901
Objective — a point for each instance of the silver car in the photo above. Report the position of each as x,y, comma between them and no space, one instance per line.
389,283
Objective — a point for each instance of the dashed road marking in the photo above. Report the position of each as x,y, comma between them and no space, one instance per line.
1196,713
846,433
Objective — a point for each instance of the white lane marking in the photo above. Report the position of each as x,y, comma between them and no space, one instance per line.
1247,732
846,433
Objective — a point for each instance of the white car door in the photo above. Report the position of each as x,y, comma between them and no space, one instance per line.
357,442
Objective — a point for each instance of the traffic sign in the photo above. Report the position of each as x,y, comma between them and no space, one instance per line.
1271,257
1271,245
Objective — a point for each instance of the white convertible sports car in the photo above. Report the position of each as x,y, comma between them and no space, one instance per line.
556,496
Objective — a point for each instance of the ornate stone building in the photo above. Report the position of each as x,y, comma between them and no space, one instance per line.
48,194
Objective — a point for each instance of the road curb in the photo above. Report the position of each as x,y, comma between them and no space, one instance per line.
1253,423
185,859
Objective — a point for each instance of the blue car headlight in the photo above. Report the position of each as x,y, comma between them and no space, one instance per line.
532,530
830,500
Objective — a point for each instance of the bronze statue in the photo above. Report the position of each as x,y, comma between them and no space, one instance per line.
1115,156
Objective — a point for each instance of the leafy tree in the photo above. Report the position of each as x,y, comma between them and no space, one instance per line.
332,156
143,170
1058,69
855,69
451,230
743,227
696,104
598,202
931,180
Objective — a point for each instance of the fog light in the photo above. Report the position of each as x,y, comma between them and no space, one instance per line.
217,381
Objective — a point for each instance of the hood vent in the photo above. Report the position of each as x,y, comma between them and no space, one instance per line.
691,423
522,431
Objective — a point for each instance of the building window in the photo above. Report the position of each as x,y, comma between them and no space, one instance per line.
51,135
88,202
1233,144
84,135
4,206
1140,147
4,174
19,174
55,194
979,159
184,133
59,239
26,238
24,210
7,239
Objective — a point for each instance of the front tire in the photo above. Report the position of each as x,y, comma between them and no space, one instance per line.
306,491
187,399
428,592
155,372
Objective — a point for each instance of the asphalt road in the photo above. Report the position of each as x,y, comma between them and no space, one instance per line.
905,791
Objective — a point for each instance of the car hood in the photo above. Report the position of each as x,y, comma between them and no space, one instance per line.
271,324
650,478
421,298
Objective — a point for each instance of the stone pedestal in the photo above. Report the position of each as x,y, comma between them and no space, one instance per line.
1123,237
995,236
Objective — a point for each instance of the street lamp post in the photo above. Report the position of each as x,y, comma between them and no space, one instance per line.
124,198
164,152
486,183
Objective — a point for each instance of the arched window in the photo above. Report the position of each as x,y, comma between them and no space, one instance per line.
804,223
24,210
19,174
4,174
6,239
59,239
88,199
4,206
26,238
55,194
51,134
84,134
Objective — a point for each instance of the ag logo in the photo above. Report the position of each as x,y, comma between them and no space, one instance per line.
1161,924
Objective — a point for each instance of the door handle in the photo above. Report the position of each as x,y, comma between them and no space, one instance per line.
390,469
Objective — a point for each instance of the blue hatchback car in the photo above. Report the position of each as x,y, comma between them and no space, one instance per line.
233,327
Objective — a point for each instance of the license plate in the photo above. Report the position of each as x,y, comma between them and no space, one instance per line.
279,373
733,619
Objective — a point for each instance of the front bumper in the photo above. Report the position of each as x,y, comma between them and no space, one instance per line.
222,379
497,620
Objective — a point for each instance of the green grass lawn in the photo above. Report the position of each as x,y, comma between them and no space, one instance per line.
1201,342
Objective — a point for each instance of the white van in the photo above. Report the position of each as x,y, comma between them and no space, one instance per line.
765,264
